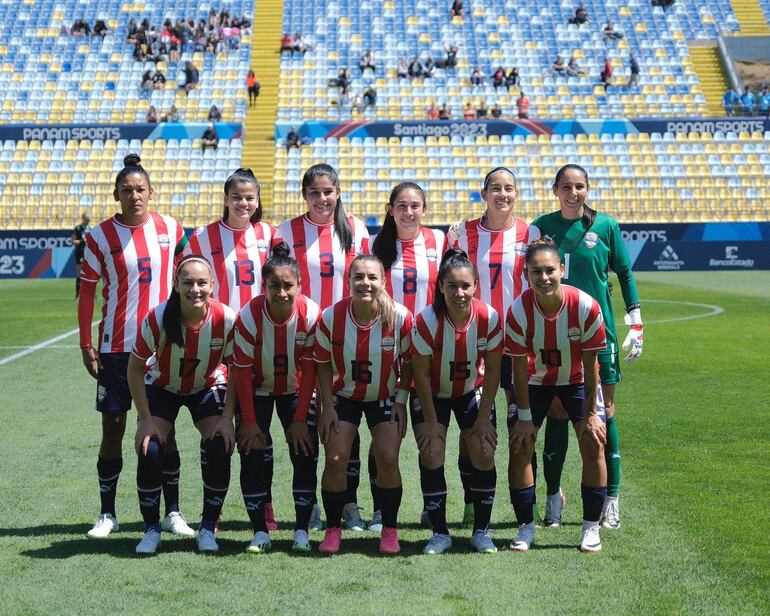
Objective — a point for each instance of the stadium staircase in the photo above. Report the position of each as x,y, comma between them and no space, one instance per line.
708,66
750,17
259,139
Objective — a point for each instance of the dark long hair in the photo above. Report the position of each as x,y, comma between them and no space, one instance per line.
280,257
384,246
172,315
131,164
453,258
589,214
341,225
243,175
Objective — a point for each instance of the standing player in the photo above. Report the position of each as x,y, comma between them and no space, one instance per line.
188,337
456,348
410,254
495,243
79,234
590,245
324,241
133,254
361,344
274,337
237,246
554,332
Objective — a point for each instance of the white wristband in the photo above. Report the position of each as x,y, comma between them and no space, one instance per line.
402,396
525,414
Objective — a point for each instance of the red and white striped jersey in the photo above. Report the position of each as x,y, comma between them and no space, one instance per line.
457,355
499,257
274,350
137,268
322,262
236,256
411,280
196,366
555,344
365,359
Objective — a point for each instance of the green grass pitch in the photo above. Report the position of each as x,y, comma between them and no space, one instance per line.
693,417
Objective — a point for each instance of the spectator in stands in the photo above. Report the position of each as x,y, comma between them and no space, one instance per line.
581,16
606,74
476,76
215,115
292,139
664,3
370,96
342,82
101,28
573,68
367,61
747,101
496,111
498,77
428,67
512,78
610,32
172,115
469,113
433,112
80,28
147,84
522,106
450,57
132,29
415,68
300,44
210,138
764,102
403,69
158,80
729,101
559,67
357,104
482,110
445,113
191,76
252,85
633,65
457,9
152,115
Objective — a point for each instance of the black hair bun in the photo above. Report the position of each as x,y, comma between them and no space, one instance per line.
281,250
132,160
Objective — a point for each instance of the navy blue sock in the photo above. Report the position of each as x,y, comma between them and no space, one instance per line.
216,479
171,469
354,471
269,464
522,499
333,504
372,464
253,488
593,501
433,484
483,490
466,468
390,500
108,472
148,484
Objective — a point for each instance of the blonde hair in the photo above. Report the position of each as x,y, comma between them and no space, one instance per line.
384,301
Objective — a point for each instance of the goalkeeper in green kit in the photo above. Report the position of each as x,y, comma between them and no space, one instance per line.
590,245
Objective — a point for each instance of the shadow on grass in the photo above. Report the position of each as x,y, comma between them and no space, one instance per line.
62,529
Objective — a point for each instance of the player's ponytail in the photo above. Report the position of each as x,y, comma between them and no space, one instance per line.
172,315
243,175
453,258
131,164
384,302
589,214
384,246
280,257
341,224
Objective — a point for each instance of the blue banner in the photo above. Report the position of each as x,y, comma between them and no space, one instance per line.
79,132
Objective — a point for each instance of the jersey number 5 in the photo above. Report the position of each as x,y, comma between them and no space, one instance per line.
145,270
459,370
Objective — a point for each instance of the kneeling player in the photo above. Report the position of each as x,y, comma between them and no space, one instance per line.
554,333
188,338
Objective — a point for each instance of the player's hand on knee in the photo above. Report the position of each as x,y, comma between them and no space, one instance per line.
328,424
487,434
398,415
145,432
596,430
522,436
634,341
299,439
224,427
250,437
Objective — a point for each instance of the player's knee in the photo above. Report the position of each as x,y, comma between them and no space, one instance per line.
217,458
387,457
113,427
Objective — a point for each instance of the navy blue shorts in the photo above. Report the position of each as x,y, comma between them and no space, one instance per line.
572,398
284,406
112,393
376,412
208,402
465,408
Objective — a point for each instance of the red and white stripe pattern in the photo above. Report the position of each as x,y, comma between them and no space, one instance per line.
322,262
197,365
274,350
457,355
236,256
137,266
411,280
555,344
499,257
365,359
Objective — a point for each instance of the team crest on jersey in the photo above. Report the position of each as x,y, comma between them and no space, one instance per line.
591,239
300,338
431,254
388,344
164,241
261,245
481,344
520,249
573,334
217,343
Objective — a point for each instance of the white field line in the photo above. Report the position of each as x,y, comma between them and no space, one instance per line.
40,346
712,310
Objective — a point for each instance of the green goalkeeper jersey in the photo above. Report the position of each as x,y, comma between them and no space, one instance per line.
588,256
